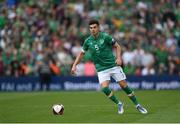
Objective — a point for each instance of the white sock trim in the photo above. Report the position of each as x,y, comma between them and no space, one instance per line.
120,102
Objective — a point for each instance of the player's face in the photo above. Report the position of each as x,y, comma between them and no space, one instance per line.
94,29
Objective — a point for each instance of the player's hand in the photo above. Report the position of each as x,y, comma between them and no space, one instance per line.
118,61
73,70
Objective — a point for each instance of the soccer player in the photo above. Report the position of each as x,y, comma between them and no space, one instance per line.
100,45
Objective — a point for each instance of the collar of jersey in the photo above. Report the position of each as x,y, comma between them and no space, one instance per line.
97,37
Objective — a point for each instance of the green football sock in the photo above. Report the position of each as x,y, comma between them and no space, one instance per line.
131,95
110,94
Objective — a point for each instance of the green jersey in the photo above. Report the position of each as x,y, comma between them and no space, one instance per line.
101,52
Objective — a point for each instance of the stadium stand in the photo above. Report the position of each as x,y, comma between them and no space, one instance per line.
148,31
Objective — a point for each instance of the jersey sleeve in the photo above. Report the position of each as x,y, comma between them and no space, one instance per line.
110,40
85,46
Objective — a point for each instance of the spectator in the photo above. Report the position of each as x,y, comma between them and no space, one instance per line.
148,70
80,69
147,59
44,75
89,69
55,69
1,67
128,56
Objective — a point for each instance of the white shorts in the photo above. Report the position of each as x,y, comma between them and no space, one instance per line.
116,73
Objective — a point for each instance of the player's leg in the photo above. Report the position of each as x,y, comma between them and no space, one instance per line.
104,79
128,91
132,96
109,93
120,77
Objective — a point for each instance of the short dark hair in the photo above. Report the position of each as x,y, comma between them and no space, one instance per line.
93,21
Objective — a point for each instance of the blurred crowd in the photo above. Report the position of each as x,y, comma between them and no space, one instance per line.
51,32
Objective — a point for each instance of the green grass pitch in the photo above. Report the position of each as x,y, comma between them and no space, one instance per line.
88,107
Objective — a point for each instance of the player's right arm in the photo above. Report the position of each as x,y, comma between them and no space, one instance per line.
79,57
77,61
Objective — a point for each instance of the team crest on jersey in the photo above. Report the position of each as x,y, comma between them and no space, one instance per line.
101,41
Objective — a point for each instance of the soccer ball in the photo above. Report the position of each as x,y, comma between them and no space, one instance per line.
58,109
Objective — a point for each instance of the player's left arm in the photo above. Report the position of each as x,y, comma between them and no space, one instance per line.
118,53
111,41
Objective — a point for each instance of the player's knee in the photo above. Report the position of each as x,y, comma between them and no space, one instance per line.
123,84
105,84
